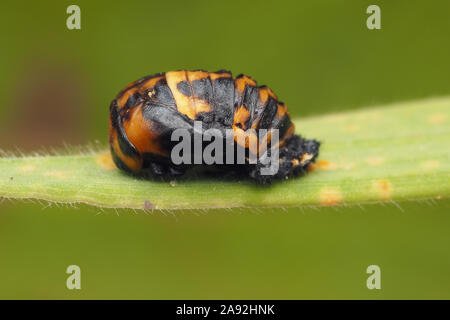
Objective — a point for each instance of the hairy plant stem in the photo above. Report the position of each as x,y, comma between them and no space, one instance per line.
389,153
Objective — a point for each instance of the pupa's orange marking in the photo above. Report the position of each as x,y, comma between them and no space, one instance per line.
199,104
134,164
214,75
306,157
127,87
122,100
242,81
141,133
189,106
264,94
185,104
245,138
281,110
241,116
150,83
196,75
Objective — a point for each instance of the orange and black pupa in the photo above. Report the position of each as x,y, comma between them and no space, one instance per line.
145,113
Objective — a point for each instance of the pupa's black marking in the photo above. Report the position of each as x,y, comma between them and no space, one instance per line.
161,94
185,88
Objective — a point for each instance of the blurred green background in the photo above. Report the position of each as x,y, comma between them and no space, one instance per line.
318,56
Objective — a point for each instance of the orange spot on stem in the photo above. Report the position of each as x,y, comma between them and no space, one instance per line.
383,188
105,161
27,168
436,118
375,161
431,164
330,197
325,165
58,173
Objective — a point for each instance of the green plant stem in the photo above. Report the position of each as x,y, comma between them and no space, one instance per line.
389,153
